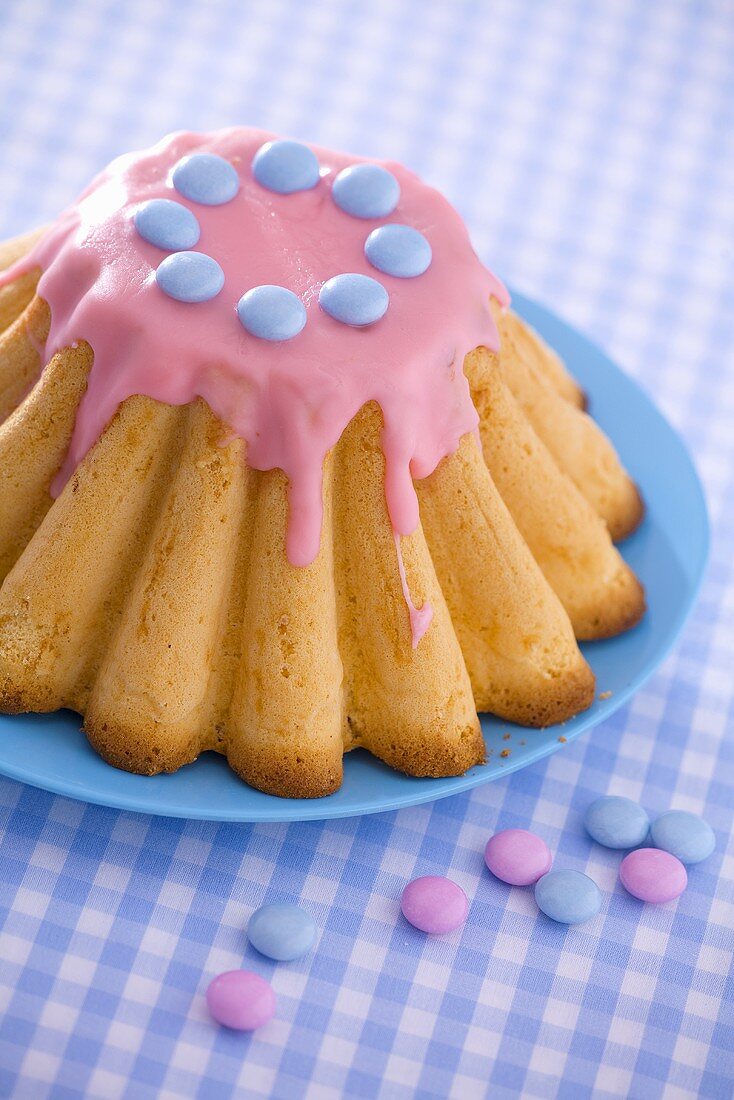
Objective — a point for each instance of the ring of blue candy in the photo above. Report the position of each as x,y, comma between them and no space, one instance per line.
271,312
190,277
286,167
355,300
167,224
366,191
398,250
206,178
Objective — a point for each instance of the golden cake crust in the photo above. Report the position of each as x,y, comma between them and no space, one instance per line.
577,444
154,596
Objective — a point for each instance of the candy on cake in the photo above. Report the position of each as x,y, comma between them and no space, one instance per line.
282,475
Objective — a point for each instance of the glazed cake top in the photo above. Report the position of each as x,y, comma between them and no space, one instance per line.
287,286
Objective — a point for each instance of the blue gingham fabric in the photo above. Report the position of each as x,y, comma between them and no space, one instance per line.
590,146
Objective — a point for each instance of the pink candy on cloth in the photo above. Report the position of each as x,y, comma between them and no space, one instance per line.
241,1000
651,874
517,856
434,904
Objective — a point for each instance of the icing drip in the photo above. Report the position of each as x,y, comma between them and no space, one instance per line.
291,399
420,617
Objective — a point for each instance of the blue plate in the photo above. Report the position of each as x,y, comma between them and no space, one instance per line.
668,553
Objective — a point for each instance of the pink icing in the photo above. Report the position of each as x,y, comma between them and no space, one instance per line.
289,401
420,617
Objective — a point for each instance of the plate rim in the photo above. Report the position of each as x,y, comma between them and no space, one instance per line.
293,810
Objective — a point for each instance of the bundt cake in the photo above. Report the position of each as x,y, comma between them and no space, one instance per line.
251,502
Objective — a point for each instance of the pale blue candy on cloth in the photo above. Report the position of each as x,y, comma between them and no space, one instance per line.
616,822
285,167
271,312
190,277
684,835
568,896
354,299
282,932
398,250
167,224
366,191
206,178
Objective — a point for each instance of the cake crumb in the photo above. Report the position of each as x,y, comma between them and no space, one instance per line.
605,695
562,739
506,736
505,752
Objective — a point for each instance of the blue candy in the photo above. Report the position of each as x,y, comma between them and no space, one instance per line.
684,835
398,250
569,897
354,299
285,167
190,277
366,191
206,178
167,224
271,312
616,822
281,932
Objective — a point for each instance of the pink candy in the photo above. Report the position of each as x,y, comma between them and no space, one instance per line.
651,874
241,1000
434,904
517,856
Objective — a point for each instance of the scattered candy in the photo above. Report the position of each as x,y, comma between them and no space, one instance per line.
366,191
167,224
616,822
653,875
567,896
434,904
285,167
355,300
282,932
271,312
190,277
517,856
398,250
241,1000
206,178
684,835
